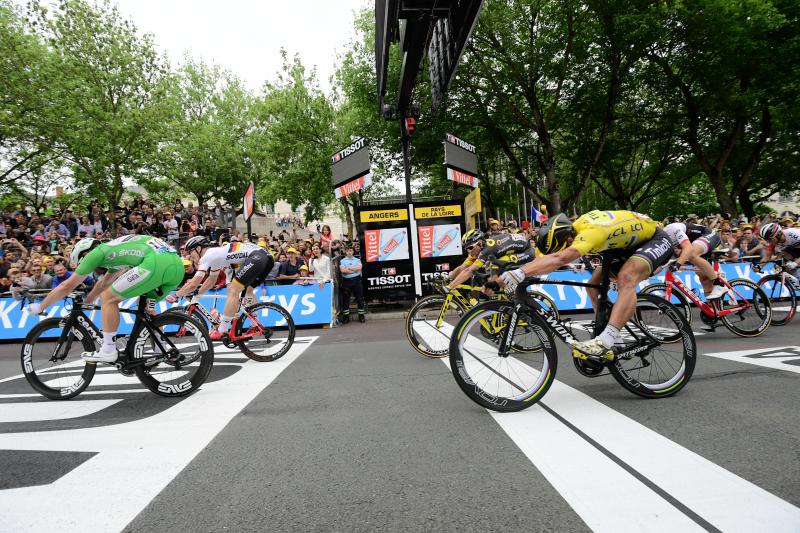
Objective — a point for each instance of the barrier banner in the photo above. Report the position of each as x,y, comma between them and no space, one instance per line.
308,305
385,251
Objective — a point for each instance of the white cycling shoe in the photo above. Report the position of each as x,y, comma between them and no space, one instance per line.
99,356
717,292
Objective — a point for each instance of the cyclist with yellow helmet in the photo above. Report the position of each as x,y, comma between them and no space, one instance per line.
643,247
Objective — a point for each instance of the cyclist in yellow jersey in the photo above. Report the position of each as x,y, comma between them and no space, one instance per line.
643,246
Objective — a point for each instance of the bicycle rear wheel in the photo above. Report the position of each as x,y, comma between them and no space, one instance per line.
54,369
677,298
429,325
190,360
783,297
753,320
272,328
502,383
665,367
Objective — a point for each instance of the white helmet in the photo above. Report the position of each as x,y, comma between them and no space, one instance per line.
81,248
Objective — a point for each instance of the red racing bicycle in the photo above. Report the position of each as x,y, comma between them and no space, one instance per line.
745,309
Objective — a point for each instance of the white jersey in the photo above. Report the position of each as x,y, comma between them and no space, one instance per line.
792,240
226,256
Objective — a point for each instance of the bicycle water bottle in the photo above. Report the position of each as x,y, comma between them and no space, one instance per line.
121,343
214,314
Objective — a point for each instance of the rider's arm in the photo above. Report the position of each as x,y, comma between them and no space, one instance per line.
549,263
463,276
62,290
687,250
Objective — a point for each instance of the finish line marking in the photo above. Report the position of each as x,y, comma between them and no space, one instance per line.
619,475
134,461
778,357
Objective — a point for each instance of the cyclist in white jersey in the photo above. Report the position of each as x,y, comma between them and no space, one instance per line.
786,241
250,265
695,241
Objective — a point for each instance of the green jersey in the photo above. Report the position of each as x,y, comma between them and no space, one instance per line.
123,252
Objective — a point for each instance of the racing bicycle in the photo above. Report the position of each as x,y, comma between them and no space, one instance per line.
262,331
655,360
781,288
170,353
430,321
745,309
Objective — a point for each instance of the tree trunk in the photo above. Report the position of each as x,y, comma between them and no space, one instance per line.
348,217
726,202
748,208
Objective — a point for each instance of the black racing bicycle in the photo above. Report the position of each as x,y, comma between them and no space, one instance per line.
656,359
170,353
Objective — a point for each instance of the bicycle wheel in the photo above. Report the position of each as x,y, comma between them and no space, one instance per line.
509,383
546,303
429,325
677,298
664,368
783,297
272,328
190,363
54,369
753,320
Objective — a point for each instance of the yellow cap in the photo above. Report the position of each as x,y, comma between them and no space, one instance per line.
291,251
187,262
303,267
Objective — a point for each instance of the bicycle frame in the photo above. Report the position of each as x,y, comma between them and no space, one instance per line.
710,310
252,331
522,300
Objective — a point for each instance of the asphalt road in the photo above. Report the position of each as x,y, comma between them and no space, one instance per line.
353,431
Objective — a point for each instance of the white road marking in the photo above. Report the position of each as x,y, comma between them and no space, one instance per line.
608,497
772,357
136,460
28,412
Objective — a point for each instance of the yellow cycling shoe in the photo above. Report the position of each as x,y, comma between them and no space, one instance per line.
592,349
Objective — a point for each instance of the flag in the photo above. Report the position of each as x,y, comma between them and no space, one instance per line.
538,216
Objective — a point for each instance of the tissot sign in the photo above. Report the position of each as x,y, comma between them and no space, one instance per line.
461,161
350,163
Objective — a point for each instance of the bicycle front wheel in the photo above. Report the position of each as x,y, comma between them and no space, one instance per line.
666,366
753,319
270,329
430,323
783,297
503,382
190,355
677,298
54,368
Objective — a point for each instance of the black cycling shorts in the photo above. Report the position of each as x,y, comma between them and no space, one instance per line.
254,269
709,242
655,252
793,251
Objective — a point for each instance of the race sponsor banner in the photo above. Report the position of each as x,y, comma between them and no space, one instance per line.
350,162
472,206
249,202
389,244
397,277
460,155
308,305
462,177
441,240
358,184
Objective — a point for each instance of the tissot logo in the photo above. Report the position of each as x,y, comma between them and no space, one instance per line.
461,144
344,152
388,271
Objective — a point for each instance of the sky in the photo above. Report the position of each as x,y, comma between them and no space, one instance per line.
245,36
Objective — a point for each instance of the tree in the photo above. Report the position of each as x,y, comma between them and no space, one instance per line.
104,96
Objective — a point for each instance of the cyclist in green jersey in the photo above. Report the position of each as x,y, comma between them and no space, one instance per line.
133,265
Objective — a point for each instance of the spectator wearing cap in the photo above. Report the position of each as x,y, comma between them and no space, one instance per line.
304,278
350,268
290,269
188,269
494,227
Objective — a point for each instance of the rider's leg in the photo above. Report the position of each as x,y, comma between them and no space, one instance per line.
109,313
231,305
632,273
593,293
705,272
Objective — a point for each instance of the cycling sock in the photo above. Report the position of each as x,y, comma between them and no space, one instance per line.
610,336
108,342
225,324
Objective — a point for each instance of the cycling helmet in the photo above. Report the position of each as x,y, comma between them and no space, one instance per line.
553,234
81,248
770,231
471,237
197,242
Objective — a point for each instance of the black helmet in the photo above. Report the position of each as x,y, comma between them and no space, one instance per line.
553,234
197,242
471,237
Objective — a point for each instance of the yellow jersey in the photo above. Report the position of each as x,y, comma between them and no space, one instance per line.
597,231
